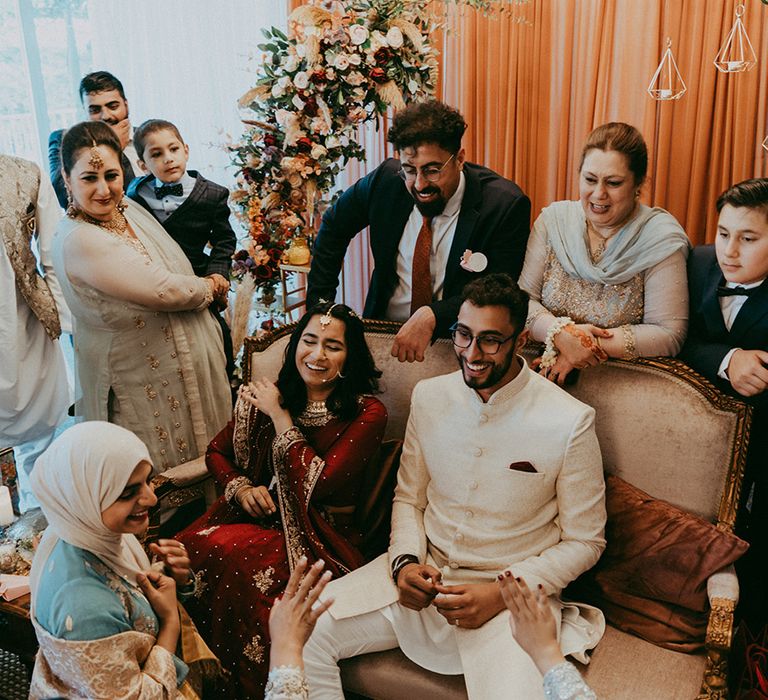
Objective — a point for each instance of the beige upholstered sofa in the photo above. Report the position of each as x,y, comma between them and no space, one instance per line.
661,428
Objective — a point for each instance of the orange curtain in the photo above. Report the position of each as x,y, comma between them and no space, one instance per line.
534,82
531,91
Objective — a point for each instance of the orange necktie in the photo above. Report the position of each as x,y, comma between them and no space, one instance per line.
421,277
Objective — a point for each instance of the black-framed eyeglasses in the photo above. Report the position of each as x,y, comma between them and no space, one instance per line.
431,173
488,344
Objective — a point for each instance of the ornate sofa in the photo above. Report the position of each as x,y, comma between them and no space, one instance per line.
663,429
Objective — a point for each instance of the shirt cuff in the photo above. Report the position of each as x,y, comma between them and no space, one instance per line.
722,372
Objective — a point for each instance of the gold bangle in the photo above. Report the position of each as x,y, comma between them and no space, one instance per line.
630,352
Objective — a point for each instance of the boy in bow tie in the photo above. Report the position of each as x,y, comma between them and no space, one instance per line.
191,208
728,344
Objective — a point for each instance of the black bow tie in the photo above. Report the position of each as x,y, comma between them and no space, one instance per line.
735,291
164,190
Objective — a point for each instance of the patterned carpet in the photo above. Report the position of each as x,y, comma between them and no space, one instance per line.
14,678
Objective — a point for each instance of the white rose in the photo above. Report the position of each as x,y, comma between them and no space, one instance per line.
277,90
292,63
284,82
330,74
354,59
301,80
332,141
413,86
301,50
341,62
297,102
282,116
318,151
395,38
358,34
377,41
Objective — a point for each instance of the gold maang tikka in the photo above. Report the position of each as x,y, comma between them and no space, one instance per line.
326,318
96,161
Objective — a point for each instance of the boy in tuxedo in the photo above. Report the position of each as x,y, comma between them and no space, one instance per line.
728,344
192,209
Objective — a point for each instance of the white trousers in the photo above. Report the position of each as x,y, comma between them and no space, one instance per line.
495,667
25,456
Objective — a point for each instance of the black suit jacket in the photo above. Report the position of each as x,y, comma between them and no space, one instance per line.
708,338
202,218
54,167
494,219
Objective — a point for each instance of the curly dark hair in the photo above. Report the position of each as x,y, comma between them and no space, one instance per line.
427,122
499,289
752,193
360,372
87,135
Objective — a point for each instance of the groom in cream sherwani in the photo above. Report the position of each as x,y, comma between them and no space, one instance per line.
501,470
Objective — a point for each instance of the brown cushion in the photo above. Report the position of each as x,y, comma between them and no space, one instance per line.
652,578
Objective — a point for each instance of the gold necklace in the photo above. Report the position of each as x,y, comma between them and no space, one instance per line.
597,251
117,223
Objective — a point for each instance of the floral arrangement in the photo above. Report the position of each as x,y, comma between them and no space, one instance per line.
342,63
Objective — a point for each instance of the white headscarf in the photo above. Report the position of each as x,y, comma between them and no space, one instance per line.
80,475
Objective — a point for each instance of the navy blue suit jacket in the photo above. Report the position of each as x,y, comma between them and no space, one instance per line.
494,219
202,218
708,339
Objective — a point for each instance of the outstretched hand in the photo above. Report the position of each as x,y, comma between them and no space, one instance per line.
295,613
531,620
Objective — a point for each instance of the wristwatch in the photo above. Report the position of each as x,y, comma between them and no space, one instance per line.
401,561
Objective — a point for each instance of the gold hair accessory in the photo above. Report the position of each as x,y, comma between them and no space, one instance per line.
325,319
95,161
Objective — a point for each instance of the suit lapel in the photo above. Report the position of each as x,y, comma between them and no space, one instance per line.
753,311
465,226
710,303
194,196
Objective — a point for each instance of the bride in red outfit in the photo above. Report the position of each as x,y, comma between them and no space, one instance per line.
290,463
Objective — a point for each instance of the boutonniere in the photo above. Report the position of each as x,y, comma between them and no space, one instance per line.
473,262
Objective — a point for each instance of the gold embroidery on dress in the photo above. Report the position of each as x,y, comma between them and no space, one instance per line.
208,531
139,322
294,540
254,650
151,393
314,415
154,363
264,579
162,434
181,443
173,402
242,432
607,306
314,469
200,584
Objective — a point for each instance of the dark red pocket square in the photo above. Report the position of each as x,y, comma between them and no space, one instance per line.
522,467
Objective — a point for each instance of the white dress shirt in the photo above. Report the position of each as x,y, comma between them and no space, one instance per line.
443,230
163,208
730,306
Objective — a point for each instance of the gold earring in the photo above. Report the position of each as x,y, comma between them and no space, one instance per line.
72,210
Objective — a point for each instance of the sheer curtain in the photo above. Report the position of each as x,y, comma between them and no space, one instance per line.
186,61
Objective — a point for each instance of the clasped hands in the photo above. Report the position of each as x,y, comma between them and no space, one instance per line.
578,347
468,605
220,288
160,587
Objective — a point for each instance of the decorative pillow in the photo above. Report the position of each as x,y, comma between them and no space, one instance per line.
651,580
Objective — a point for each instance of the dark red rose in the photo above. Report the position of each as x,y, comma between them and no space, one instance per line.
318,76
240,255
382,56
304,144
275,254
268,325
263,272
262,239
270,140
310,106
378,75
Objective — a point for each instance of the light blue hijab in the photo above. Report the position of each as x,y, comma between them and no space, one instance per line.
651,236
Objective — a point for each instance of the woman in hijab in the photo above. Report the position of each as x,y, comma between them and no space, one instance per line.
108,624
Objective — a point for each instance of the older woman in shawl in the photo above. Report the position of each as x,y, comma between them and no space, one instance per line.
108,625
149,355
606,274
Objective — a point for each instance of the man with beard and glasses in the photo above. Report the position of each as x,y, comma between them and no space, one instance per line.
103,97
425,211
500,471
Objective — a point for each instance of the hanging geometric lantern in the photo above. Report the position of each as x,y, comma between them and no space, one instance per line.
736,55
667,83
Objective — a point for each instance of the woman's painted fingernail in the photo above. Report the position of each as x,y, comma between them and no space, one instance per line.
541,588
507,573
501,577
517,578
